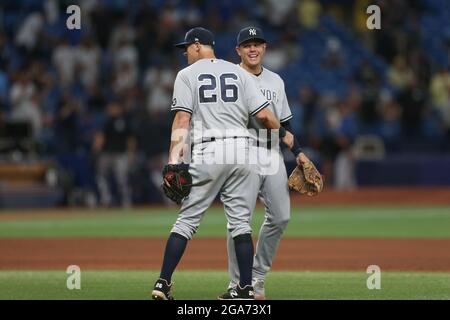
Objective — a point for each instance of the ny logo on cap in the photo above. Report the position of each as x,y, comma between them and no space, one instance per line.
252,32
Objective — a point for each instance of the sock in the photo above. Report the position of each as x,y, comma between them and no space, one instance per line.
244,253
172,255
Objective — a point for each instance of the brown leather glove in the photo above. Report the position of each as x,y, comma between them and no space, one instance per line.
306,179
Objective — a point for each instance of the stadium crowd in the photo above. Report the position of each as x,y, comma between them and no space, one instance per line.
103,92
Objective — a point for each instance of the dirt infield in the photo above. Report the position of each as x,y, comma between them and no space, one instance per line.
294,254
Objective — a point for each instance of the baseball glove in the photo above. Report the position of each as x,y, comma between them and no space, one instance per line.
306,179
177,182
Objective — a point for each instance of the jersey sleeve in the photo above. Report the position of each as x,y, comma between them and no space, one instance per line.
254,98
286,113
182,94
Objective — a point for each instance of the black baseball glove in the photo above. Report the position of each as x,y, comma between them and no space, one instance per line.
177,182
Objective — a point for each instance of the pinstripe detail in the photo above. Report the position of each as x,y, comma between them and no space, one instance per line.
181,109
264,105
287,118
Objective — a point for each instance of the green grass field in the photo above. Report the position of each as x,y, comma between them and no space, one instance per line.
378,222
390,222
194,285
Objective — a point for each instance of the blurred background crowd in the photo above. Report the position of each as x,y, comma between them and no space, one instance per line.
95,101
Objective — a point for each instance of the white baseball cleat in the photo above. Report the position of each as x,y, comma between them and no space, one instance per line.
258,288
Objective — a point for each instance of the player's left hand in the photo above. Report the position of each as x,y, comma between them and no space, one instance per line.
301,159
177,182
305,178
288,140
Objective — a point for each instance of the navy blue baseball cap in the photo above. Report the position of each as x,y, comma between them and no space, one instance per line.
197,34
250,33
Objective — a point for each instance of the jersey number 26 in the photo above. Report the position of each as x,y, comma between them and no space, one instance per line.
207,91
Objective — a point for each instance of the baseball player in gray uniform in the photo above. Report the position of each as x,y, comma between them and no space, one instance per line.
214,100
274,190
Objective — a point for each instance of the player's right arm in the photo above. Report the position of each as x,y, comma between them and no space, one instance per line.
182,104
180,129
268,120
262,113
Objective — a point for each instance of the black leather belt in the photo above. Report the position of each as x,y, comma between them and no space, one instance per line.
214,138
267,145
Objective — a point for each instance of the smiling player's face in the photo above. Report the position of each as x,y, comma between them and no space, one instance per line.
251,52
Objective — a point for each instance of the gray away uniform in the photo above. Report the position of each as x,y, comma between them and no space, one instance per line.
274,190
220,96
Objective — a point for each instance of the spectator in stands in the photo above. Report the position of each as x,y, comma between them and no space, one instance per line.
64,60
345,133
125,78
413,102
333,57
192,14
385,37
146,28
440,94
360,15
321,138
369,81
440,98
420,66
22,89
308,13
126,60
102,22
125,53
152,152
4,76
390,125
333,133
67,124
25,102
114,147
27,35
171,15
400,74
4,88
276,58
96,100
4,61
88,60
2,123
123,34
278,10
29,111
158,83
303,111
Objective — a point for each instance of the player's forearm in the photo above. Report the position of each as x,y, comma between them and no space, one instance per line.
268,119
180,128
296,148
